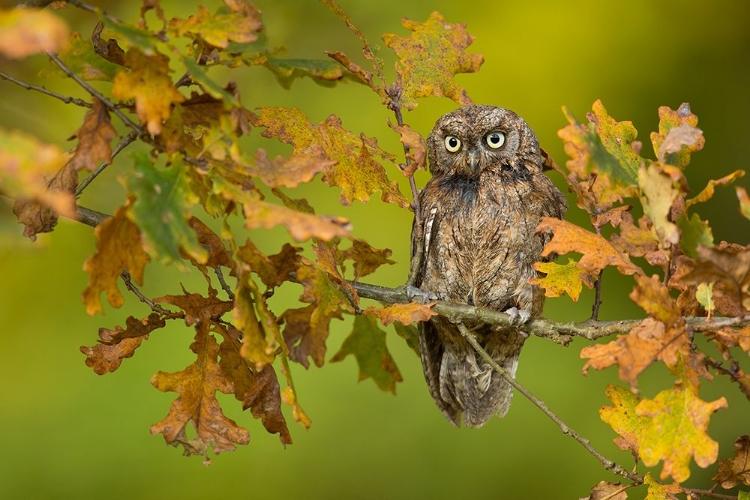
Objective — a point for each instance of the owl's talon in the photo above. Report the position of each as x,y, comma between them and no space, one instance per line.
517,317
416,295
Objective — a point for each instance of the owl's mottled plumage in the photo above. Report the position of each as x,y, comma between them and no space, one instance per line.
478,214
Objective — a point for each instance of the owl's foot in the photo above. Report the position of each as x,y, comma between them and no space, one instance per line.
417,295
517,317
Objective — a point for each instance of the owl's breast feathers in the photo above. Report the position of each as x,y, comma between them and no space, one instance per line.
479,236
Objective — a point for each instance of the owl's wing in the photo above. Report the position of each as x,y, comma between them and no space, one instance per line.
423,236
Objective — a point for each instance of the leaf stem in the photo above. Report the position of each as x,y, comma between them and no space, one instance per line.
608,464
125,275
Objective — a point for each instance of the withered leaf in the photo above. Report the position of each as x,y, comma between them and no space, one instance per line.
117,344
607,491
301,226
218,255
433,76
356,170
736,470
653,297
288,171
728,268
118,247
367,343
366,258
416,146
659,194
196,404
94,138
253,318
708,191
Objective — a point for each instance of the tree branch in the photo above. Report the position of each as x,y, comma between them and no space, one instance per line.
608,464
127,140
64,98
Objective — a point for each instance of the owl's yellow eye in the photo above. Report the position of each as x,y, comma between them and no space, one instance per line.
452,143
495,140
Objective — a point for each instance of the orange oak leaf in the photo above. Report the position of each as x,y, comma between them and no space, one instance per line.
118,247
197,405
367,343
677,431
28,31
633,240
597,252
653,297
115,345
433,76
633,352
736,470
559,279
623,419
678,137
273,270
258,391
416,146
149,84
405,314
94,138
218,29
218,255
355,171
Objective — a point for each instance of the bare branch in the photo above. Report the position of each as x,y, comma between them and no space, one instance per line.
64,98
224,285
91,90
150,303
608,464
127,140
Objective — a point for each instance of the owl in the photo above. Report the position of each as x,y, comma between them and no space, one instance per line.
478,214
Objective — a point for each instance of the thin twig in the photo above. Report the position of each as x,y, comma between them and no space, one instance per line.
150,303
708,493
93,9
608,464
91,90
64,98
223,283
597,297
127,140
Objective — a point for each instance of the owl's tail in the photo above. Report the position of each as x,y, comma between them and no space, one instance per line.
465,388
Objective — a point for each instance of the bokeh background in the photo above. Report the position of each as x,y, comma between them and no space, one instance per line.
68,433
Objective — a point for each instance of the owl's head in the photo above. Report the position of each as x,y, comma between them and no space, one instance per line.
476,139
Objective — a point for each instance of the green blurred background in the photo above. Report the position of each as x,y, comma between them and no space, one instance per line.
68,433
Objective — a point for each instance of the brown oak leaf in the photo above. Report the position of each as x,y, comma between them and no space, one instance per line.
736,470
94,138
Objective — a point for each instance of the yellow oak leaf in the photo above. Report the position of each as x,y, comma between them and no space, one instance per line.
708,192
433,76
622,418
678,421
115,345
659,491
562,278
220,28
678,137
149,84
658,195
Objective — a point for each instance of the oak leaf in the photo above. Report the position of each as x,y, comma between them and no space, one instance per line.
288,171
323,71
218,255
695,233
636,241
258,391
653,297
561,278
659,491
623,419
301,226
367,343
366,258
356,170
364,76
118,247
678,420
416,146
406,314
597,252
197,405
220,28
94,138
736,470
149,84
162,208
728,268
659,194
434,75
273,270
607,491
744,202
82,60
28,31
708,192
678,137
258,325
115,345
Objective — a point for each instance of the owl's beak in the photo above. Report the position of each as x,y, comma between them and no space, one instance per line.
473,159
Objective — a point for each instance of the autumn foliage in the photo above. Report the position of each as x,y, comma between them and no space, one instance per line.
644,223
